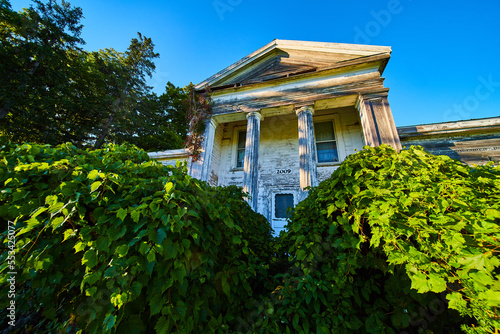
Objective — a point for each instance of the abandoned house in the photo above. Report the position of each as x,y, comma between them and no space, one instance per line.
287,115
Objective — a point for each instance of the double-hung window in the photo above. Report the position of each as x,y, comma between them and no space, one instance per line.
326,145
240,151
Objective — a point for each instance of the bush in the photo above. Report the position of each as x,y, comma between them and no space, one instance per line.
394,243
108,241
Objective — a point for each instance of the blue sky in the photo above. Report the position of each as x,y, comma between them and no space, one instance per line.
444,65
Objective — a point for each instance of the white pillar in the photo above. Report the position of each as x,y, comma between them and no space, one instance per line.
377,121
251,163
307,148
200,169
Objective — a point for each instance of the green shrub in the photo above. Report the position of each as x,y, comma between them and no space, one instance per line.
108,241
394,243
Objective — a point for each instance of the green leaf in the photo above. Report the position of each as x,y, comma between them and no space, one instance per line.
93,174
168,187
295,321
237,239
178,274
170,251
155,303
43,263
79,246
68,234
136,288
492,213
225,285
331,209
122,250
301,254
90,279
160,235
94,186
162,326
151,256
456,301
419,282
90,258
437,284
109,322
56,222
103,243
39,211
135,214
121,214
118,299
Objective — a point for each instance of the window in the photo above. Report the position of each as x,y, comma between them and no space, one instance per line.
240,154
326,145
281,204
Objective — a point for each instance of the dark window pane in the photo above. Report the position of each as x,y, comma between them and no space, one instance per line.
281,204
242,136
327,152
241,158
324,131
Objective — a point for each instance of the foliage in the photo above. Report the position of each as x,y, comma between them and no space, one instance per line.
391,243
53,91
108,241
383,223
199,109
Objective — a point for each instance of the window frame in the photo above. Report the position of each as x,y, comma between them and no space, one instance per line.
234,150
294,193
339,139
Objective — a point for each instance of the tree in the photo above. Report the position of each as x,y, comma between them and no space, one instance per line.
156,123
55,92
38,64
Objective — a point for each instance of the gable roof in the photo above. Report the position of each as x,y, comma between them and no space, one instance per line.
285,58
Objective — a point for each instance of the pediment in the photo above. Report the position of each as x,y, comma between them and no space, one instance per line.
282,59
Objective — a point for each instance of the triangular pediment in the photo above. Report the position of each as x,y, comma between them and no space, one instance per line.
282,59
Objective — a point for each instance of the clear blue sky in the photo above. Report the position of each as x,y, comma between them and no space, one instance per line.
444,65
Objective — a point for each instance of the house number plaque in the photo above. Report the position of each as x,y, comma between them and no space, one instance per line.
283,171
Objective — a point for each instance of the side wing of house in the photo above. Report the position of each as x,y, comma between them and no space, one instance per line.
474,142
287,115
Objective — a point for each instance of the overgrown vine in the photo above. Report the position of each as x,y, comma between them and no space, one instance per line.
199,109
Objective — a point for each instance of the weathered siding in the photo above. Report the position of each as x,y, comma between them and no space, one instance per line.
278,160
170,158
474,142
216,157
279,170
348,135
228,174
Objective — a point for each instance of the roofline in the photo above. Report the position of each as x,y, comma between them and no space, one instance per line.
290,44
451,126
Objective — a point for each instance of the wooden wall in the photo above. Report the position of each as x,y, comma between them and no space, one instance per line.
472,141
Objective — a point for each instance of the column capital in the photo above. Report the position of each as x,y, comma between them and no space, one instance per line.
211,121
255,114
301,109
